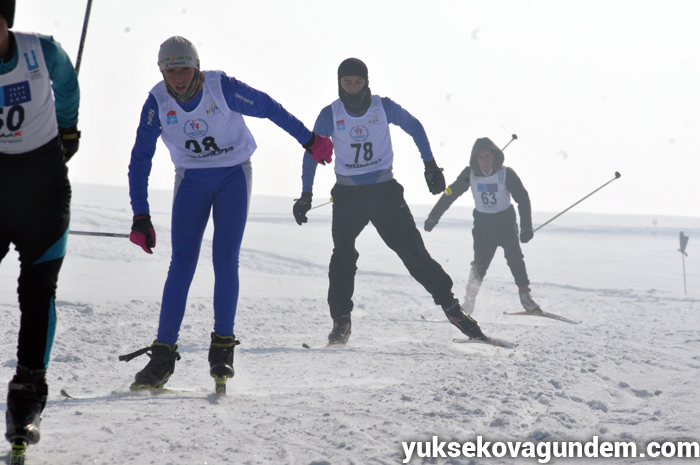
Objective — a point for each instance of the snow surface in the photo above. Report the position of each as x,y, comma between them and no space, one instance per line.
628,372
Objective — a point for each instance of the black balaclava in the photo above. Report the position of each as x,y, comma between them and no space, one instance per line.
359,103
7,11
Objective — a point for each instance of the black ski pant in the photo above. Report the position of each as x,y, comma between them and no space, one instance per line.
491,231
383,204
35,199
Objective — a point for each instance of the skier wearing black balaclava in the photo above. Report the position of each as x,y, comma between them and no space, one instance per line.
366,191
354,103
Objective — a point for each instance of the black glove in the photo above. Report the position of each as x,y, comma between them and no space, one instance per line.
434,177
70,140
301,207
526,234
142,232
429,224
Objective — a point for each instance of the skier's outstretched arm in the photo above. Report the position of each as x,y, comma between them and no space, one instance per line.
459,187
252,102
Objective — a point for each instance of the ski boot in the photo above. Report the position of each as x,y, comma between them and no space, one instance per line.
221,360
157,372
26,399
341,331
529,304
465,323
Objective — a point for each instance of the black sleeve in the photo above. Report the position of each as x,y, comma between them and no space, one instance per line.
521,197
459,187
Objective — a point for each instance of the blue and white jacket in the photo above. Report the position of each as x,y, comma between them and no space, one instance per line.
239,97
395,114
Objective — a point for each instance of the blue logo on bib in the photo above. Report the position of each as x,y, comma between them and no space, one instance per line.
15,94
213,109
196,128
171,118
359,133
481,187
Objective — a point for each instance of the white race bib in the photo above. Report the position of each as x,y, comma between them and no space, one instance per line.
361,144
210,136
490,193
27,108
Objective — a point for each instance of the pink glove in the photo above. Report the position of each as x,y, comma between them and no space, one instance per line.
320,148
142,233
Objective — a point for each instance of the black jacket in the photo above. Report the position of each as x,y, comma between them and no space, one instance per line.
461,185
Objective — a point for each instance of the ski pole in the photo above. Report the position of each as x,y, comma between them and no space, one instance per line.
82,36
617,175
330,201
102,234
77,70
448,191
512,138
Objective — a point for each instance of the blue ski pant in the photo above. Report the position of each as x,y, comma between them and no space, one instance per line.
224,193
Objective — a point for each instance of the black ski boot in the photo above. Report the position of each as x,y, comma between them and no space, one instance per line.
468,325
26,399
221,360
157,372
341,331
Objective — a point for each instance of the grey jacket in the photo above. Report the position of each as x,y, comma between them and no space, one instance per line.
461,185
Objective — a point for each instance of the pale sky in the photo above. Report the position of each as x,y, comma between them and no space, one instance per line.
590,87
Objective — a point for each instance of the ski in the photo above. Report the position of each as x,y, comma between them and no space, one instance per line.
327,346
432,320
122,392
117,392
545,315
19,450
307,346
490,341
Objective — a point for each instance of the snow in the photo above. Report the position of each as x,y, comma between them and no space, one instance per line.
629,372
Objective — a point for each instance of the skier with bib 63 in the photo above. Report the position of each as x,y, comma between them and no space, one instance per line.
38,135
199,116
366,191
493,185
